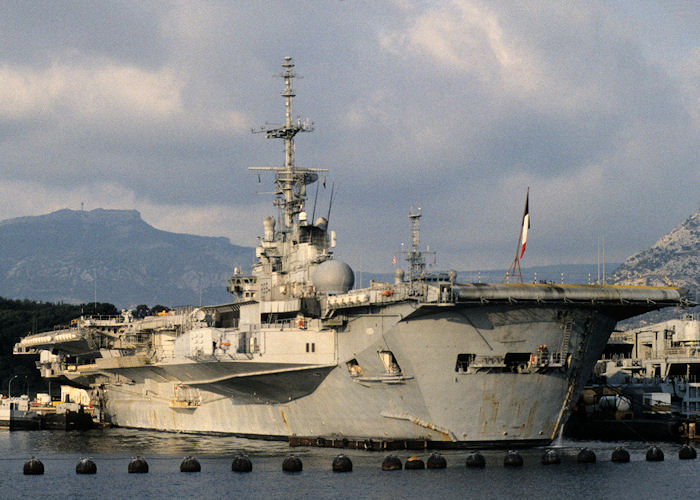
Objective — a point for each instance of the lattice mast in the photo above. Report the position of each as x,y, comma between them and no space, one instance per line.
415,256
290,180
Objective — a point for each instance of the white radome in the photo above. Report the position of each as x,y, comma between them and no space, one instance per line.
333,276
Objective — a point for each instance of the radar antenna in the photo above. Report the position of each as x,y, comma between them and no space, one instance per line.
290,180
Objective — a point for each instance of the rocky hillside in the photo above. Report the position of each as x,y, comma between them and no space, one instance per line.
673,260
113,256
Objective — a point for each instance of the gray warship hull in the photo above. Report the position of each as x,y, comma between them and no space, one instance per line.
468,372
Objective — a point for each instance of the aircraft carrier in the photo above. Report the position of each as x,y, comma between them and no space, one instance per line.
302,355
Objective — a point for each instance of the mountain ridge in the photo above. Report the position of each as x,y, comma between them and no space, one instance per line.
673,259
72,256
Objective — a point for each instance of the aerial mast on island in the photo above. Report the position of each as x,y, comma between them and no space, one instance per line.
415,256
290,180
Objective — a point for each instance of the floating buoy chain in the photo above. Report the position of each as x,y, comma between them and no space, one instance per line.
342,463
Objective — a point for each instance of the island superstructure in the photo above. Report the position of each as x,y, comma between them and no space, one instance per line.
301,355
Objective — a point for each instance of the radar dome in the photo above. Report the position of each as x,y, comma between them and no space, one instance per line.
333,276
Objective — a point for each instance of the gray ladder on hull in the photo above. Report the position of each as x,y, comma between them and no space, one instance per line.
565,339
576,362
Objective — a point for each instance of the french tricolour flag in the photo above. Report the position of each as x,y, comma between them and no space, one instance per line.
526,224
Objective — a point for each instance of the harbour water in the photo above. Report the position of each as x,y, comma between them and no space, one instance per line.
113,449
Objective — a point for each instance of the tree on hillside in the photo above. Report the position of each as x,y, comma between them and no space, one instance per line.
19,318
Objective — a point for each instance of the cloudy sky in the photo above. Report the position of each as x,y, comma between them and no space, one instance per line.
456,106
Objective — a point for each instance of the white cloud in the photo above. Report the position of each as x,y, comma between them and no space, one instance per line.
545,56
130,90
88,91
468,38
105,93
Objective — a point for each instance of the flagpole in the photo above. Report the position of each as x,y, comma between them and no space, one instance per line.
514,269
